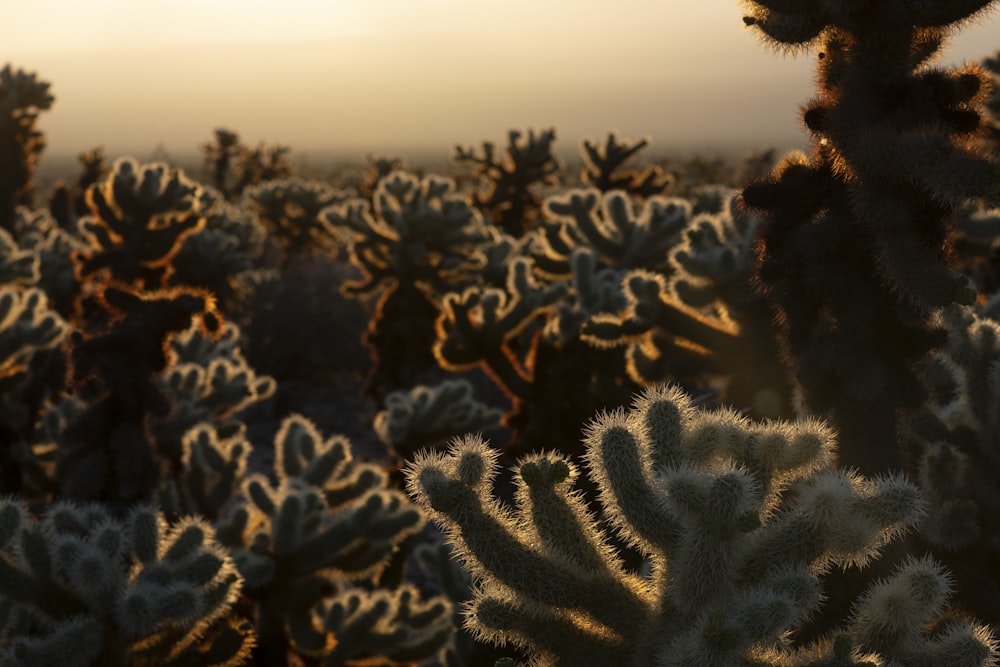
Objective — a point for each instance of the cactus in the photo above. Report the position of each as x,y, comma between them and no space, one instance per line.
603,164
736,520
955,441
214,257
22,97
139,218
429,416
507,196
290,212
220,155
106,451
67,203
329,521
622,234
81,588
853,242
209,476
209,383
28,328
418,238
53,248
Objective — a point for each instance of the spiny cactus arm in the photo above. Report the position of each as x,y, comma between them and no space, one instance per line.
389,627
896,618
429,415
502,546
841,519
302,453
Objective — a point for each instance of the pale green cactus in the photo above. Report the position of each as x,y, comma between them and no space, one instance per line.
81,588
736,520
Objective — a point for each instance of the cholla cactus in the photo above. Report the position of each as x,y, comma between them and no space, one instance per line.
209,382
418,238
139,218
37,233
214,257
106,452
290,211
955,441
992,65
853,246
429,416
385,627
81,588
18,267
329,521
210,474
508,198
602,165
22,97
27,327
622,234
733,555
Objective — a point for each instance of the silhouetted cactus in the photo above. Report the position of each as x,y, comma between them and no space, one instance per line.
106,452
210,474
508,198
603,168
992,66
329,521
22,97
139,218
81,588
418,239
736,520
853,245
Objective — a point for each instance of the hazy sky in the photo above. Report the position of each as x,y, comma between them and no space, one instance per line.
363,75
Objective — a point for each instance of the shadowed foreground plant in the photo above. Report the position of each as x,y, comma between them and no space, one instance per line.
79,588
733,554
22,97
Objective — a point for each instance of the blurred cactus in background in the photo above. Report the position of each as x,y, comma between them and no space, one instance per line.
290,211
732,559
603,168
22,97
68,203
507,183
139,218
106,452
416,239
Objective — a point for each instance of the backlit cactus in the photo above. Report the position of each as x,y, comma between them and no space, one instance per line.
139,218
735,519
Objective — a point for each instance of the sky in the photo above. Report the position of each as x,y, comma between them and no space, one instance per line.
412,75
